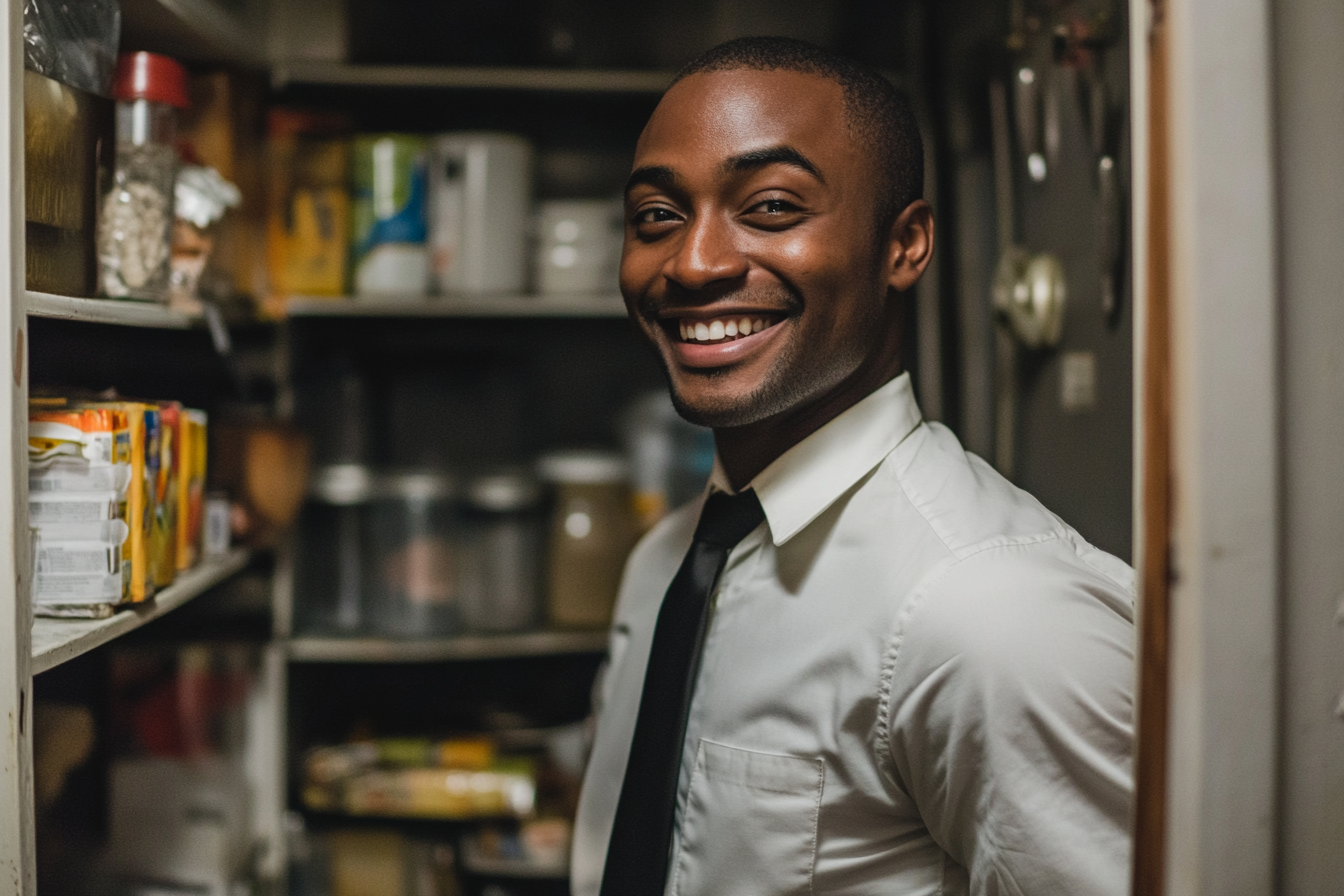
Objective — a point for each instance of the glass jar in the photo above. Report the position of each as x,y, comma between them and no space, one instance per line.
135,224
329,552
413,546
501,554
592,530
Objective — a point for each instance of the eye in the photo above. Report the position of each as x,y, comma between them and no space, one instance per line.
655,215
775,213
776,207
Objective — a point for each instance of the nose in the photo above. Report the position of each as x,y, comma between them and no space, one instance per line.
706,254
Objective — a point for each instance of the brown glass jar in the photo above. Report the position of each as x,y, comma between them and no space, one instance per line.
592,530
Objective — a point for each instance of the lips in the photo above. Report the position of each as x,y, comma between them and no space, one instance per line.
729,338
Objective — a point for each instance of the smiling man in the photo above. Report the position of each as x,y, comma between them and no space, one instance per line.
863,663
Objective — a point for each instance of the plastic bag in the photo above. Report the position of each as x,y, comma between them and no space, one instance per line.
72,41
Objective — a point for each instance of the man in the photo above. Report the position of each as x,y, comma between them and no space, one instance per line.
880,668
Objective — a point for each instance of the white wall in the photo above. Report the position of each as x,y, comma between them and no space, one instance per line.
1224,694
1309,99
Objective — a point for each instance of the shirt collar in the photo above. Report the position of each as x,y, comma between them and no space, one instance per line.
805,480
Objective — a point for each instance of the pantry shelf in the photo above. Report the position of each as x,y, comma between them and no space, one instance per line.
471,647
56,641
581,306
543,80
197,30
107,311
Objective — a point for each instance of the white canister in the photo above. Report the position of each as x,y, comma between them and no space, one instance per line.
480,202
579,246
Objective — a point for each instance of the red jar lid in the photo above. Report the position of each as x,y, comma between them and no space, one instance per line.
149,76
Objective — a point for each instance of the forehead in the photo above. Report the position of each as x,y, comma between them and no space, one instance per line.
711,116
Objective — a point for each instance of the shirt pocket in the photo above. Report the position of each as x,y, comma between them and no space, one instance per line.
749,825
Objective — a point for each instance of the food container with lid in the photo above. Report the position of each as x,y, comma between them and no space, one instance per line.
501,553
329,552
578,246
480,202
591,531
135,226
411,568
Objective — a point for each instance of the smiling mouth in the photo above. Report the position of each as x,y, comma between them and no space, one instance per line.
722,329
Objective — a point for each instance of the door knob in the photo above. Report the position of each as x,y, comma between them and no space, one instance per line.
1030,293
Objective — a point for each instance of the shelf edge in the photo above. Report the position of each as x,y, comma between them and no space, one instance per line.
539,307
105,311
467,647
542,80
56,641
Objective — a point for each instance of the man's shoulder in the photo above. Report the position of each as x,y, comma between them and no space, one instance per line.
963,500
1008,563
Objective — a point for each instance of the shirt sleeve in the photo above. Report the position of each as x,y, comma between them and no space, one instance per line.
1009,716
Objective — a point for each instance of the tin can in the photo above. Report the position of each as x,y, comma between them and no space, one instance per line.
389,255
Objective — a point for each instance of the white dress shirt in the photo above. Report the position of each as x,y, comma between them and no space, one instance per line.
916,680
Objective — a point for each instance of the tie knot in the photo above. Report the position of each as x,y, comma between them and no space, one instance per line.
726,519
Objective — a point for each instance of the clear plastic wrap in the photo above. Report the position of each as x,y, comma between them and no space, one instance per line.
72,41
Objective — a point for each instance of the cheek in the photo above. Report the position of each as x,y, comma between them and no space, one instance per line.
638,266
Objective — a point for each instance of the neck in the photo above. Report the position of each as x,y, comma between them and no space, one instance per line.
744,451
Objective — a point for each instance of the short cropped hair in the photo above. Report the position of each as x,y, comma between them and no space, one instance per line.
879,116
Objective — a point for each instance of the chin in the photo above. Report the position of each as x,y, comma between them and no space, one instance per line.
726,408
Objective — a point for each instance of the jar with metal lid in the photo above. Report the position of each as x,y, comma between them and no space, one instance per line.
591,532
413,533
501,553
329,552
135,226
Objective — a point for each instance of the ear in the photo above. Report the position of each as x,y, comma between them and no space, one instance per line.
909,245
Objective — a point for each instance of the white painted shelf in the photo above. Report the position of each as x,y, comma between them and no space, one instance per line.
541,80
466,647
593,306
106,311
56,641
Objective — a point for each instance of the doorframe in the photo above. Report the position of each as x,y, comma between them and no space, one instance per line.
1214,222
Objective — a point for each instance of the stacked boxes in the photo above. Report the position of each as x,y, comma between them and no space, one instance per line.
108,482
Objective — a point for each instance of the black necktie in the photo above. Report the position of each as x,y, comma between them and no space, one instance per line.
641,836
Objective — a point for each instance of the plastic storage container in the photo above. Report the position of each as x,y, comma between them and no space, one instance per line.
329,552
135,227
480,199
592,529
413,534
501,554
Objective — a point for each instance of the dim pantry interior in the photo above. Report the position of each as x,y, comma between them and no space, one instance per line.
432,433
329,434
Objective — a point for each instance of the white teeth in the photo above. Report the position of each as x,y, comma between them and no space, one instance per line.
715,330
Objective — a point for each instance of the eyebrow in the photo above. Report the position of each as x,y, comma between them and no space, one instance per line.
774,155
659,176
664,178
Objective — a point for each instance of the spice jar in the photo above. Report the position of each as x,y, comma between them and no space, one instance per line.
591,532
501,554
411,571
135,225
